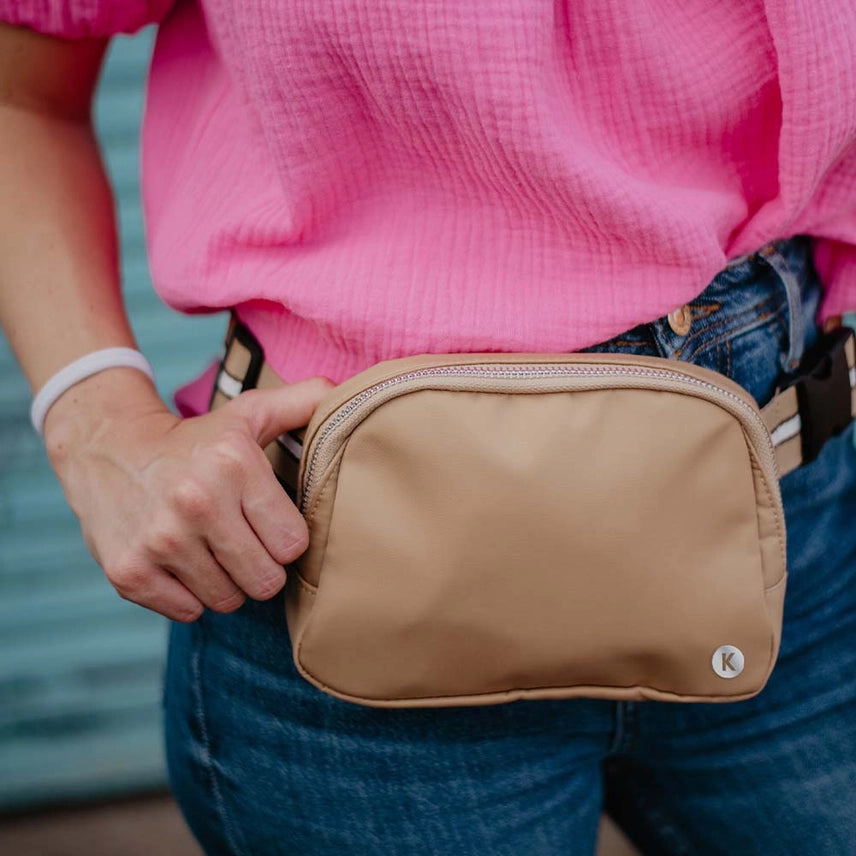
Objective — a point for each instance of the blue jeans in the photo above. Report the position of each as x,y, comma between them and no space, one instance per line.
264,764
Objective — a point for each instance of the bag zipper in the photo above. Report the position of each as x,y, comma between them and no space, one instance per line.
322,449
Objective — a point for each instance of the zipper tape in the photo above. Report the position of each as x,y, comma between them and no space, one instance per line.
510,378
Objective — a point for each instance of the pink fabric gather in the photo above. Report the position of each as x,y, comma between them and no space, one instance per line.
368,179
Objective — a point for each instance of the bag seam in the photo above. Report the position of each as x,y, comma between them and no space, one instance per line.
780,532
521,693
337,465
305,585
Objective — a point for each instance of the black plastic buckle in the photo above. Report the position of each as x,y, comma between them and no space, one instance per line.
238,331
823,391
257,355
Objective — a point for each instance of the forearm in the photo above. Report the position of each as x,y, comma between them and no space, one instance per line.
59,293
59,284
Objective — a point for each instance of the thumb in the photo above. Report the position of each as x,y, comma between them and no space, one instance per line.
272,412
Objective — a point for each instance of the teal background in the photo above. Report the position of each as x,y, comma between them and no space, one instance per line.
80,669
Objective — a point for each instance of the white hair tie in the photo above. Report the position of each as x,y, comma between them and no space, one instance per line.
65,378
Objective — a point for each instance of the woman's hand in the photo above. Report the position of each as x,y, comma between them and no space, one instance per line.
180,513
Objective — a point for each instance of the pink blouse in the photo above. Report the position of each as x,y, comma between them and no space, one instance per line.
367,179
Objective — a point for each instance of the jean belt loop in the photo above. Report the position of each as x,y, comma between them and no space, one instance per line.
791,281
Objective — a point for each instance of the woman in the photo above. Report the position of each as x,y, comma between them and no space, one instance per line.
368,180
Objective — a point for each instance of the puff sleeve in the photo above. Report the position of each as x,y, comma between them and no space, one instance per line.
76,19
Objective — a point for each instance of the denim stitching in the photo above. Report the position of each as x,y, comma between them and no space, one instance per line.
701,309
206,754
729,335
738,325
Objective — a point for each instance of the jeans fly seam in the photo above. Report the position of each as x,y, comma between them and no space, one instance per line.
625,722
207,756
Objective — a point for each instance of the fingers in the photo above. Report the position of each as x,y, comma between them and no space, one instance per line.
272,515
212,549
246,519
256,529
157,590
195,567
271,412
249,563
177,571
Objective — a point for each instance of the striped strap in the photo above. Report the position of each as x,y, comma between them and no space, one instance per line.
243,367
816,403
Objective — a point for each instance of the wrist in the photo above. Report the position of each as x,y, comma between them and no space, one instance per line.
91,408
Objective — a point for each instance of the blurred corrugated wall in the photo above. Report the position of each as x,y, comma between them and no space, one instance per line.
80,669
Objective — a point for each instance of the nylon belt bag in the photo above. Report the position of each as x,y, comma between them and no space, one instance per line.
492,527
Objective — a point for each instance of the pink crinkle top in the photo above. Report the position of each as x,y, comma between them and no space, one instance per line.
368,179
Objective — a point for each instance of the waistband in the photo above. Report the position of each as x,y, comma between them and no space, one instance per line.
777,284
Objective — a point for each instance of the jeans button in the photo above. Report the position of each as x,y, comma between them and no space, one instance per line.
681,320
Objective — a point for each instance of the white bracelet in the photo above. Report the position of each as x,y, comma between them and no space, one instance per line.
64,379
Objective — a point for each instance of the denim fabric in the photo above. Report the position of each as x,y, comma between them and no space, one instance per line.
264,764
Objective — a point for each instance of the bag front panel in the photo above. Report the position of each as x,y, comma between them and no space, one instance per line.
485,546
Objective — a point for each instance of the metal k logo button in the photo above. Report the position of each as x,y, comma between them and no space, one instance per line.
727,661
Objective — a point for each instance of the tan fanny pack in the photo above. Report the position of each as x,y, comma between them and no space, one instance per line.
491,527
